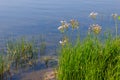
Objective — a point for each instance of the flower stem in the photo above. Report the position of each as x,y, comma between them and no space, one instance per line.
116,25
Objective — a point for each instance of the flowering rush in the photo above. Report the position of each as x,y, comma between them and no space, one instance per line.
114,15
64,41
93,15
95,28
74,24
64,25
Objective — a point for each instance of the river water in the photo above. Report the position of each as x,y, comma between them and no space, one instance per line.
42,17
26,17
36,17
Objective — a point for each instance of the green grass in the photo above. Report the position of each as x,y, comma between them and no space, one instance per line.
90,59
18,54
4,67
22,52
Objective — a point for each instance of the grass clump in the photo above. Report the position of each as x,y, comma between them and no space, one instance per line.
4,68
22,52
90,58
19,54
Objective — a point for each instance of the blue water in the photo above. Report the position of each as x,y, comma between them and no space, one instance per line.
34,17
42,16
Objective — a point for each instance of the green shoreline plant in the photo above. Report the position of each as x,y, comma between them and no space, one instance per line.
4,68
19,54
22,53
90,58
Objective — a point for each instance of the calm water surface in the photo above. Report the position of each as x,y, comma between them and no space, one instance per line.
34,17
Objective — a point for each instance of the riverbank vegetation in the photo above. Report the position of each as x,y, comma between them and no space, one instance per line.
91,58
19,54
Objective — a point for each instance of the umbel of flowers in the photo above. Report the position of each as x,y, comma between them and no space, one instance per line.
93,15
64,26
95,28
114,15
90,58
74,24
63,41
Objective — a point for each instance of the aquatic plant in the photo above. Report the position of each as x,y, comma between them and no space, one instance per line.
64,41
64,26
22,52
74,24
93,15
95,28
90,58
42,45
5,68
115,16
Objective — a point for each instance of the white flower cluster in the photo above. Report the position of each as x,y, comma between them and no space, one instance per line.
114,15
93,15
64,25
64,41
75,25
95,28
